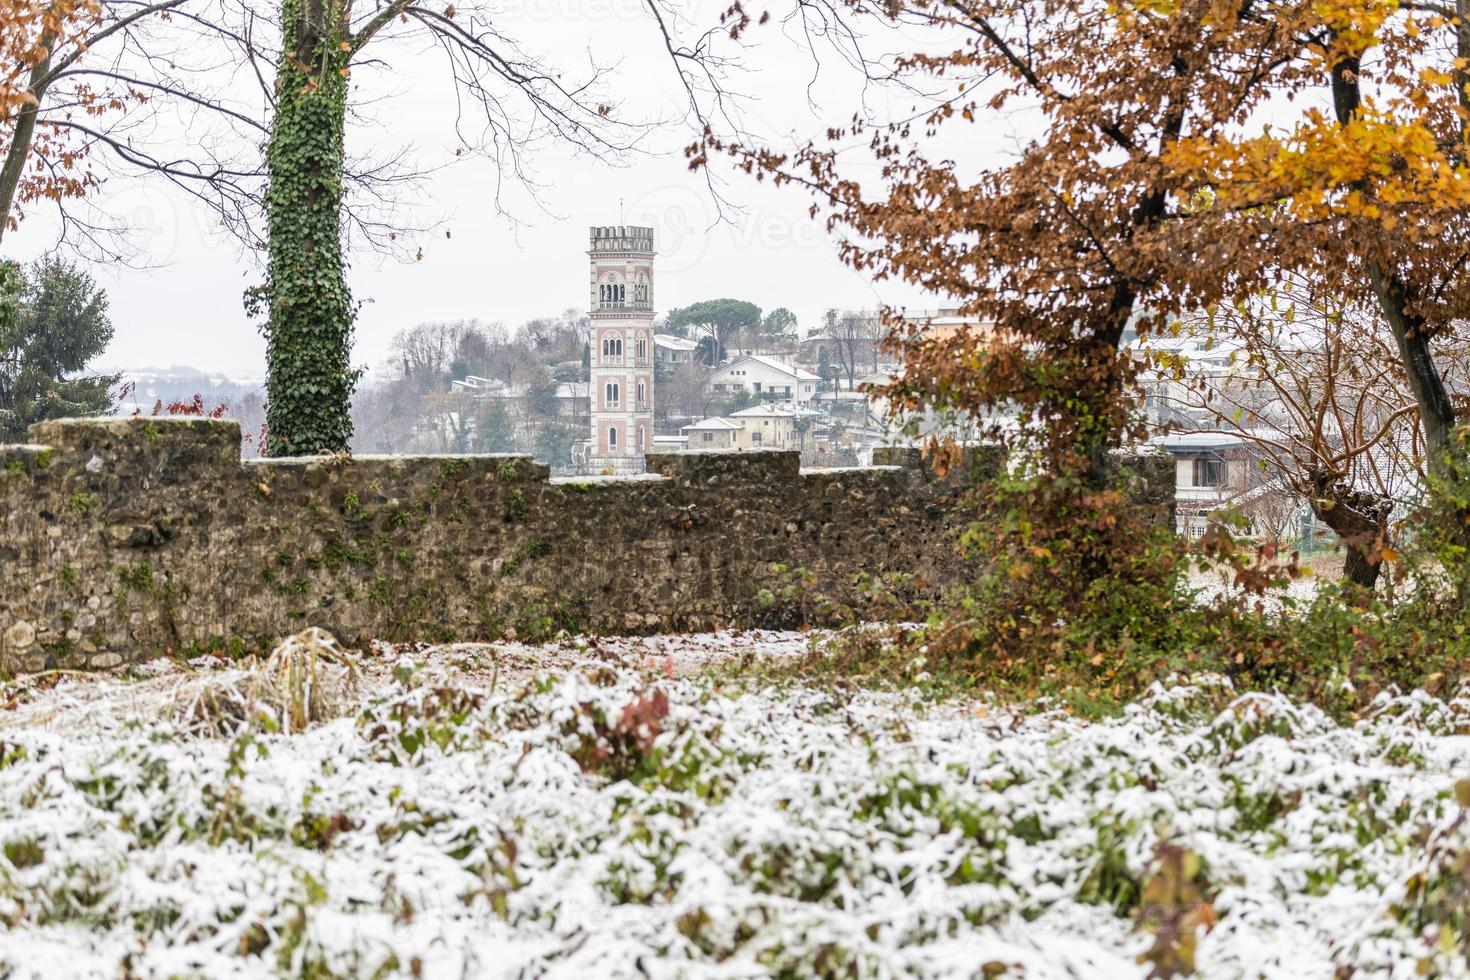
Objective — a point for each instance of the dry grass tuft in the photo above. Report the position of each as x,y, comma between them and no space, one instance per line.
307,679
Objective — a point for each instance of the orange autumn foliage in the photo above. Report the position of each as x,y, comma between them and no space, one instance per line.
31,33
1089,232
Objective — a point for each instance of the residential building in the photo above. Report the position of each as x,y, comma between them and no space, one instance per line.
713,433
674,350
573,400
620,300
767,427
765,378
1212,469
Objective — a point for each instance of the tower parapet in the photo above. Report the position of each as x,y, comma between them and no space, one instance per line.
622,238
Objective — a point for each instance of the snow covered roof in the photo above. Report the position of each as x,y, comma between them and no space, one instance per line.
781,411
801,375
713,425
669,341
1199,441
775,365
573,389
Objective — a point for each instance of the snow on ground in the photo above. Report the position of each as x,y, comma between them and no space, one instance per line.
621,815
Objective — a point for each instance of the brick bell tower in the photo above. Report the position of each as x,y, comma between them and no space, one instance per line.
621,312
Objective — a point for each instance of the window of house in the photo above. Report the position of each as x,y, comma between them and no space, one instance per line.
755,437
709,437
1209,472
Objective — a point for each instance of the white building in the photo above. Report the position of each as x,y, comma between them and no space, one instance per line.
713,433
768,427
1212,469
620,301
766,378
674,350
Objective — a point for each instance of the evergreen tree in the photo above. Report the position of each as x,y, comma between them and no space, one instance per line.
497,430
53,322
824,364
554,442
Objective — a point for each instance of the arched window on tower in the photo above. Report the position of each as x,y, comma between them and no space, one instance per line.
610,395
612,437
642,395
611,293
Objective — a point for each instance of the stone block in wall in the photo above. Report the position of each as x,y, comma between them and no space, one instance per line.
770,468
24,459
377,479
167,449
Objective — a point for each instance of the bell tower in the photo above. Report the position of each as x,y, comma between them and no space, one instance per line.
620,305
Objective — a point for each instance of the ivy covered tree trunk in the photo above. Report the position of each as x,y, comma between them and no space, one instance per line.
309,308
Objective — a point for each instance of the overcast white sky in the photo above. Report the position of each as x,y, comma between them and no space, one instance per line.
186,308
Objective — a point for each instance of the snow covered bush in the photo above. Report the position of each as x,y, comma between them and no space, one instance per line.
613,823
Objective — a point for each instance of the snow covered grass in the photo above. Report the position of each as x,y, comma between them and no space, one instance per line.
607,820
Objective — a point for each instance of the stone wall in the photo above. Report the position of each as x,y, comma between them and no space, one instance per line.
124,538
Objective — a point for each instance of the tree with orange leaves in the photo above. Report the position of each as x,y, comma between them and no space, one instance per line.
1375,184
31,31
1087,234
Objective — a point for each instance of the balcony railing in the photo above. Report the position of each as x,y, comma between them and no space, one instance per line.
636,305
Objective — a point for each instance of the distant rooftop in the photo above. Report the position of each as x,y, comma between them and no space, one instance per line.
771,362
782,411
1199,441
713,424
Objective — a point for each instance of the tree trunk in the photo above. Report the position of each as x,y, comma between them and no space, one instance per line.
310,309
1436,412
1360,521
25,131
